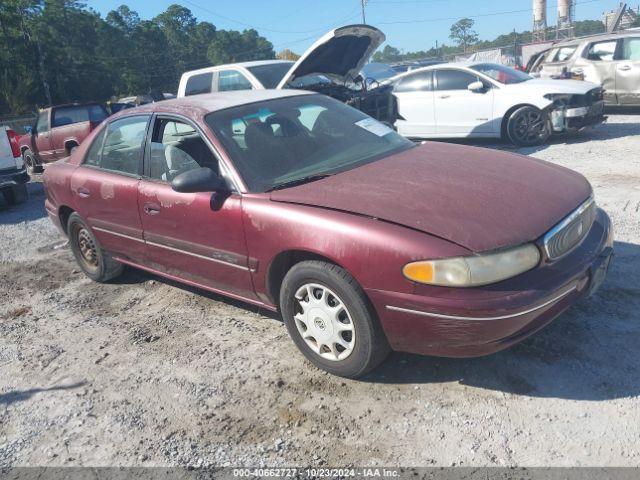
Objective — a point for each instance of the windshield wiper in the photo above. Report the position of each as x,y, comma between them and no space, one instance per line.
299,181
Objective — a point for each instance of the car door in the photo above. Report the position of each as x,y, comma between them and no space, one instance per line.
628,72
41,137
416,105
598,64
105,186
458,110
198,237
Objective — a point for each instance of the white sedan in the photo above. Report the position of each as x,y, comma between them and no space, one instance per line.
492,101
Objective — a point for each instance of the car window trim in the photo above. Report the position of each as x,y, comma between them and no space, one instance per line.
119,172
228,173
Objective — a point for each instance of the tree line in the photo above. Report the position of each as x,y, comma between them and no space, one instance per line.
58,51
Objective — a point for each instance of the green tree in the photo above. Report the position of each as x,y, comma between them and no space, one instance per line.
463,34
388,54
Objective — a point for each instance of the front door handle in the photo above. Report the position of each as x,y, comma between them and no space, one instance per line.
625,68
445,96
151,208
83,192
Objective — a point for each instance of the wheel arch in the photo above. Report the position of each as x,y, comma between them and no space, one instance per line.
64,212
283,262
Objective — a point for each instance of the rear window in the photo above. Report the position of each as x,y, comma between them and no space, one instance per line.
198,84
270,75
75,114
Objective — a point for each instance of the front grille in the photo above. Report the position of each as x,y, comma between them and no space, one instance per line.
568,234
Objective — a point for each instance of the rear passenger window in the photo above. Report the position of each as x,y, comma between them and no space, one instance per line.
95,150
122,147
198,84
176,147
602,51
232,80
563,54
631,49
417,82
454,80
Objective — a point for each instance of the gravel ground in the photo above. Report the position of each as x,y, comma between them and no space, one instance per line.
146,372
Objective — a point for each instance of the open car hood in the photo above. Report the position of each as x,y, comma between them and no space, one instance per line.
339,54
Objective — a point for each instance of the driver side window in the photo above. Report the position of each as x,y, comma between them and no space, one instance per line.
176,147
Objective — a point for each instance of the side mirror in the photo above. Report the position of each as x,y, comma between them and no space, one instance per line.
199,180
476,87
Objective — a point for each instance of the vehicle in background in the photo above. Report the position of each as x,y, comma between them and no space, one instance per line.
331,66
612,61
404,67
58,131
13,175
258,75
361,239
137,100
377,72
492,101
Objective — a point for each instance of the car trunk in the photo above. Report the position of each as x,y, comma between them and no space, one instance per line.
478,198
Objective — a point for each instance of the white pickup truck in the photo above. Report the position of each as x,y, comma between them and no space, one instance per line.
13,175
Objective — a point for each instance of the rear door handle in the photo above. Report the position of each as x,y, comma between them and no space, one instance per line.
625,68
151,208
83,192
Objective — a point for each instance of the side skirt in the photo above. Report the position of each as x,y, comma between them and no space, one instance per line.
195,284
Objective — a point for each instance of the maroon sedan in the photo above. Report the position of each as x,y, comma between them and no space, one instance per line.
362,240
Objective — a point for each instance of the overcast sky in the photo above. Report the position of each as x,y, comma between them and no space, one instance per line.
408,24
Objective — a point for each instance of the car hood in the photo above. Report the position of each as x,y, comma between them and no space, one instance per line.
549,85
478,198
339,55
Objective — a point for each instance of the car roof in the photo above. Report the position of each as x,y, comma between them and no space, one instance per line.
200,105
599,37
255,63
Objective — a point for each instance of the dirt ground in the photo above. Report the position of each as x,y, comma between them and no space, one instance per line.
146,372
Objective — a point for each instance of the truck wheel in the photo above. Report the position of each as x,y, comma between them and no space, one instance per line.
96,263
330,319
30,162
16,194
528,127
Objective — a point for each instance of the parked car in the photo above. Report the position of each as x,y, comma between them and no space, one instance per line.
13,176
612,61
362,239
58,131
331,66
492,101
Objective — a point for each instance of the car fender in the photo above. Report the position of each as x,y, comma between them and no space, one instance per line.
371,250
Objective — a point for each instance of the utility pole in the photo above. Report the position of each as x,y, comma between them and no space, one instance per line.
363,3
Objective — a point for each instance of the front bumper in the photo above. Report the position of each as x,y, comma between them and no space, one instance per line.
470,322
12,176
578,118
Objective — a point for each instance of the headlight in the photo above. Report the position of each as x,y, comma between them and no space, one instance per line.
474,270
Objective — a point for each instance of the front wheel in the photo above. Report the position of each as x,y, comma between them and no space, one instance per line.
95,262
528,127
330,319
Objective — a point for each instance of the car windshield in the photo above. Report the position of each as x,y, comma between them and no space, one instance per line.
281,142
271,74
501,74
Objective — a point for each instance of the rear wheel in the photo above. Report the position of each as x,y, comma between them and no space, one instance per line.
529,126
330,319
30,162
96,263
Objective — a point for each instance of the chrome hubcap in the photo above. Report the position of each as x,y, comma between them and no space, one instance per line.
324,323
87,248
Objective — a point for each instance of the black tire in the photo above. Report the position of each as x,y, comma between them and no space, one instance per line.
16,194
370,346
94,261
30,162
528,127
